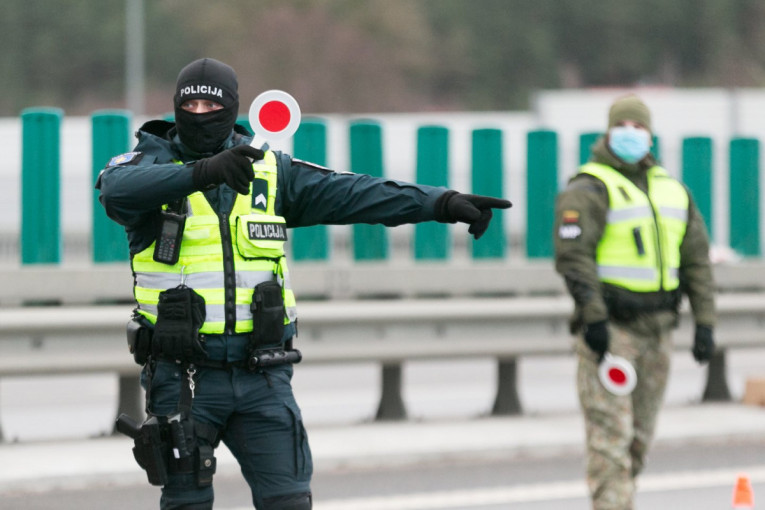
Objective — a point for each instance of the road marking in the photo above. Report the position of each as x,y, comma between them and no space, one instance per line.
473,498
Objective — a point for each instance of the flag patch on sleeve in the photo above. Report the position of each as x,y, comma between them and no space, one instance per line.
569,228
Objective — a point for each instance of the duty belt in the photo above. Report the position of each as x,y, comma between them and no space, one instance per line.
623,305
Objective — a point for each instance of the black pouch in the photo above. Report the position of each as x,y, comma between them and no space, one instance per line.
267,314
139,340
180,314
184,443
206,466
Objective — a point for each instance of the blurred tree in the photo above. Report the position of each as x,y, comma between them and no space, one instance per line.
51,56
333,56
73,55
379,55
492,52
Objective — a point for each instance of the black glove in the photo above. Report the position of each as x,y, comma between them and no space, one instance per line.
232,166
475,210
596,335
703,344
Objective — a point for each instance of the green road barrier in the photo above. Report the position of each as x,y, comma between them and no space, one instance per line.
41,241
111,137
697,175
432,240
745,196
487,174
370,242
310,144
541,189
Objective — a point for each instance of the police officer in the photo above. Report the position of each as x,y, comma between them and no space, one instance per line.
629,241
206,217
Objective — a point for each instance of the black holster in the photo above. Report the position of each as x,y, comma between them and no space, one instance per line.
139,340
150,450
171,446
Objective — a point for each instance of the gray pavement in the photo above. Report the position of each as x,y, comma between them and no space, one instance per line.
43,465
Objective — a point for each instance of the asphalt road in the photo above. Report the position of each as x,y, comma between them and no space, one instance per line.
698,476
687,476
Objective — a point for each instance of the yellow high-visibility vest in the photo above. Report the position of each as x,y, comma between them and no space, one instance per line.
253,236
640,247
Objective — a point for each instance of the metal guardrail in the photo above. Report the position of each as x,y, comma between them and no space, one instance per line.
109,283
63,339
340,279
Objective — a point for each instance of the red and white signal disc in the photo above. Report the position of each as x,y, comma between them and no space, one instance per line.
274,115
617,375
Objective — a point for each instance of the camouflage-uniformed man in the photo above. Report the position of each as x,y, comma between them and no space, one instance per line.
629,241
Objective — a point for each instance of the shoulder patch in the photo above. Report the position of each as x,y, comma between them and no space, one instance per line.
125,158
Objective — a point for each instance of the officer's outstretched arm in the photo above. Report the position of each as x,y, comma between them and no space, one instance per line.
475,210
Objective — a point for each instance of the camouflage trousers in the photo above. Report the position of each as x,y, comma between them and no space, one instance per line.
619,429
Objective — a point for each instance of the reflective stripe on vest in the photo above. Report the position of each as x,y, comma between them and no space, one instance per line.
257,239
640,247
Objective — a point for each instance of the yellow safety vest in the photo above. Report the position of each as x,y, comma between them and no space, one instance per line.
640,247
253,236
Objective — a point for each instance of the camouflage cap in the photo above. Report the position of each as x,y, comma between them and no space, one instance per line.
629,108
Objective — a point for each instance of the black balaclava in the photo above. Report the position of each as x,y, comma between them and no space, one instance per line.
206,78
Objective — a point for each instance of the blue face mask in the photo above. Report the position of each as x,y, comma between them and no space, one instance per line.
630,144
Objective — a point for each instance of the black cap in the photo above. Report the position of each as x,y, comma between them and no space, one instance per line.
207,78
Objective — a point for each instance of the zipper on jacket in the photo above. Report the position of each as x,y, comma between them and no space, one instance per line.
638,241
659,255
229,276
